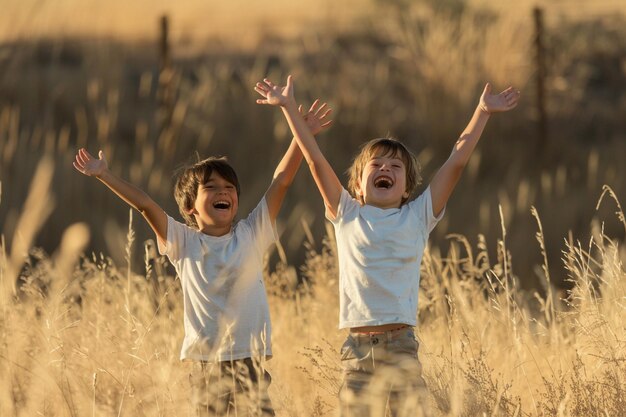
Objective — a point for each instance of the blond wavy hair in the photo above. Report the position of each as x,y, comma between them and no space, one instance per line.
384,147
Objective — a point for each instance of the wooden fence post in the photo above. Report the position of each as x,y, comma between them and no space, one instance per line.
164,48
165,93
542,121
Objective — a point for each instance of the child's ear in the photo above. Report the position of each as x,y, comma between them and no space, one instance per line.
405,195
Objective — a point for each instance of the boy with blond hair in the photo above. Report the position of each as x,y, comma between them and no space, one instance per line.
381,236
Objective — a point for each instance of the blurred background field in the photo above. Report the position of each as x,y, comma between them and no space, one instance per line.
95,74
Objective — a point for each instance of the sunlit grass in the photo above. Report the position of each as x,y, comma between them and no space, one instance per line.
87,337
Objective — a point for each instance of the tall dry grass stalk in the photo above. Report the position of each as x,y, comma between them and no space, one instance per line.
37,208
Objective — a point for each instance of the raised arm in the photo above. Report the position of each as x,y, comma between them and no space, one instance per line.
446,178
317,121
157,219
327,182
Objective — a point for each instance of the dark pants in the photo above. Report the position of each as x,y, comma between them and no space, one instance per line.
382,374
236,388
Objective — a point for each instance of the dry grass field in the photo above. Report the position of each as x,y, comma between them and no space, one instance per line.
83,336
523,293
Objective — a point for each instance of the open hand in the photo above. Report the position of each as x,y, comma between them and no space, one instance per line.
274,95
88,165
315,118
493,103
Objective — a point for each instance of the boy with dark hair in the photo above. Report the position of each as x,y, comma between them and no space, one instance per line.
220,265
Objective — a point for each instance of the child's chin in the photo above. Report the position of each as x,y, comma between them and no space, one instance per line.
223,215
384,195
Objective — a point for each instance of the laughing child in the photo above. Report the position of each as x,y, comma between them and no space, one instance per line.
381,236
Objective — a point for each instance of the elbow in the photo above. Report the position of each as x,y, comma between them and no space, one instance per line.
282,185
144,205
458,168
143,211
457,164
281,180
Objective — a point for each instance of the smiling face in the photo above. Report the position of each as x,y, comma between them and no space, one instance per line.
215,206
383,182
384,174
207,194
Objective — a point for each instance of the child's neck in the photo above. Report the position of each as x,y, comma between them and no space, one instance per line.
381,206
216,230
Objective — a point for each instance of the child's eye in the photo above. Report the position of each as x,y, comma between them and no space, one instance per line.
396,166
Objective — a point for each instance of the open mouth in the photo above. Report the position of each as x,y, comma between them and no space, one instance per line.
383,182
221,205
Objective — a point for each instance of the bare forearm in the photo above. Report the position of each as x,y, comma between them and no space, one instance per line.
306,141
465,145
448,176
139,200
133,196
86,164
288,166
323,174
283,177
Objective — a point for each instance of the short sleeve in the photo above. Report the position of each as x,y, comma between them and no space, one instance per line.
423,208
176,239
262,227
346,205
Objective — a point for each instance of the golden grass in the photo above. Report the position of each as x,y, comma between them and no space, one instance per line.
86,337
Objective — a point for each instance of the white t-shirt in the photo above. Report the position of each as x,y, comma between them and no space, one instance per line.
226,315
380,251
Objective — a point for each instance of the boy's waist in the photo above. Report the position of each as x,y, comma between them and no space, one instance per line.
368,320
379,329
372,337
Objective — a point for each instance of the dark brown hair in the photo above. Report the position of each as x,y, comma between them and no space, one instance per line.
189,177
384,147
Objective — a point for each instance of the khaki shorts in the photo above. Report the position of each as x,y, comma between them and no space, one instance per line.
237,388
382,374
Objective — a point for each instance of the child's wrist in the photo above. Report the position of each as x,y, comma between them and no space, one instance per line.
483,108
289,105
103,174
